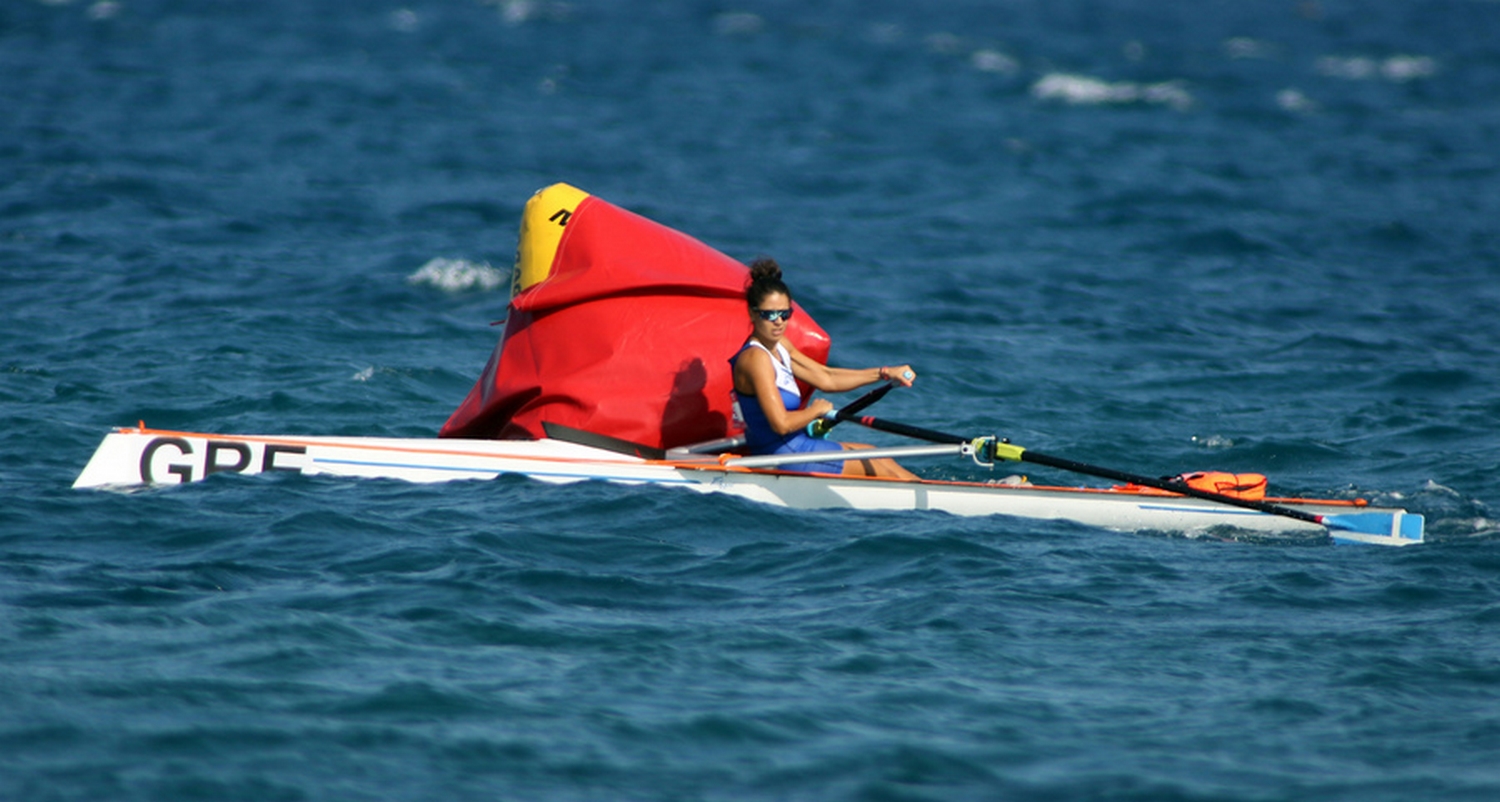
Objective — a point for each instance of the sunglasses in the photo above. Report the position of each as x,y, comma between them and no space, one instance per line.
774,315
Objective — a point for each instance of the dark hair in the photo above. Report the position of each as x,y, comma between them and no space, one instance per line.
765,278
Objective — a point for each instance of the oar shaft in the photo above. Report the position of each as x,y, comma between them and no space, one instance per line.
868,398
1039,458
1006,451
819,428
906,430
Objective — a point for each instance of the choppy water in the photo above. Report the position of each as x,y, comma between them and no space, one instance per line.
1155,236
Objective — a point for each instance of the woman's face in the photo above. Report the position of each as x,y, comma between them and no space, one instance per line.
771,317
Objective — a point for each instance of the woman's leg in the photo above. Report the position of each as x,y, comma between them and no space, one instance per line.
882,466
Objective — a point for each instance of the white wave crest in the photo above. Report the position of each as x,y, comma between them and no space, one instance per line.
1398,69
1084,90
1294,100
517,12
1244,47
458,275
987,60
405,20
1407,68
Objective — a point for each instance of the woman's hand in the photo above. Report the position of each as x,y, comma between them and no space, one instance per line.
820,407
901,373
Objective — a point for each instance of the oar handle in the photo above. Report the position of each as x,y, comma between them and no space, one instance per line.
821,426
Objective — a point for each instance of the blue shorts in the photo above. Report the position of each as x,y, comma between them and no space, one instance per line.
801,443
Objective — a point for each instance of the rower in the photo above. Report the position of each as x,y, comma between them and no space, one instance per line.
767,401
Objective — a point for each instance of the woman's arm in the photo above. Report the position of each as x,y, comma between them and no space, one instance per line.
839,380
754,367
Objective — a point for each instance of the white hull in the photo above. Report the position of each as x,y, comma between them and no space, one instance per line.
131,457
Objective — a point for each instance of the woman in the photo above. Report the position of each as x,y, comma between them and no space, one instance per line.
766,371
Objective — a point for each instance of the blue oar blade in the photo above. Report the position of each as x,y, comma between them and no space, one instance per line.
1384,527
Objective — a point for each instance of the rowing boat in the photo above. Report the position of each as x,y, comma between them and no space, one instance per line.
560,401
139,456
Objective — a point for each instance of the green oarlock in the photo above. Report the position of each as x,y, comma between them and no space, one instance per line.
1007,451
989,449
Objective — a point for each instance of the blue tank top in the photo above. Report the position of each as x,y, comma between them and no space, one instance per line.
759,436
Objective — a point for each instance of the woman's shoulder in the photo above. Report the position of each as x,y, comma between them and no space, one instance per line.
750,352
795,355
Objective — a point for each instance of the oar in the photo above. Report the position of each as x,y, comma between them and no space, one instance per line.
989,448
821,426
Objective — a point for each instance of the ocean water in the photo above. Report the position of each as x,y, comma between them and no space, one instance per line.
1155,236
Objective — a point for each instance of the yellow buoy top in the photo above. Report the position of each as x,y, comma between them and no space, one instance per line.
542,226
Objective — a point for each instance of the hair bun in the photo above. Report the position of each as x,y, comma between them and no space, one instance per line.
765,278
763,269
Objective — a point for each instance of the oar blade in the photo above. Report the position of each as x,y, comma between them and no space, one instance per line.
1385,528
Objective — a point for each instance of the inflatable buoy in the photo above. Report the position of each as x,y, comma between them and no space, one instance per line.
542,225
617,325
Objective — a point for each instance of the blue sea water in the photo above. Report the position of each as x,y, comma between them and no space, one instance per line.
1155,236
